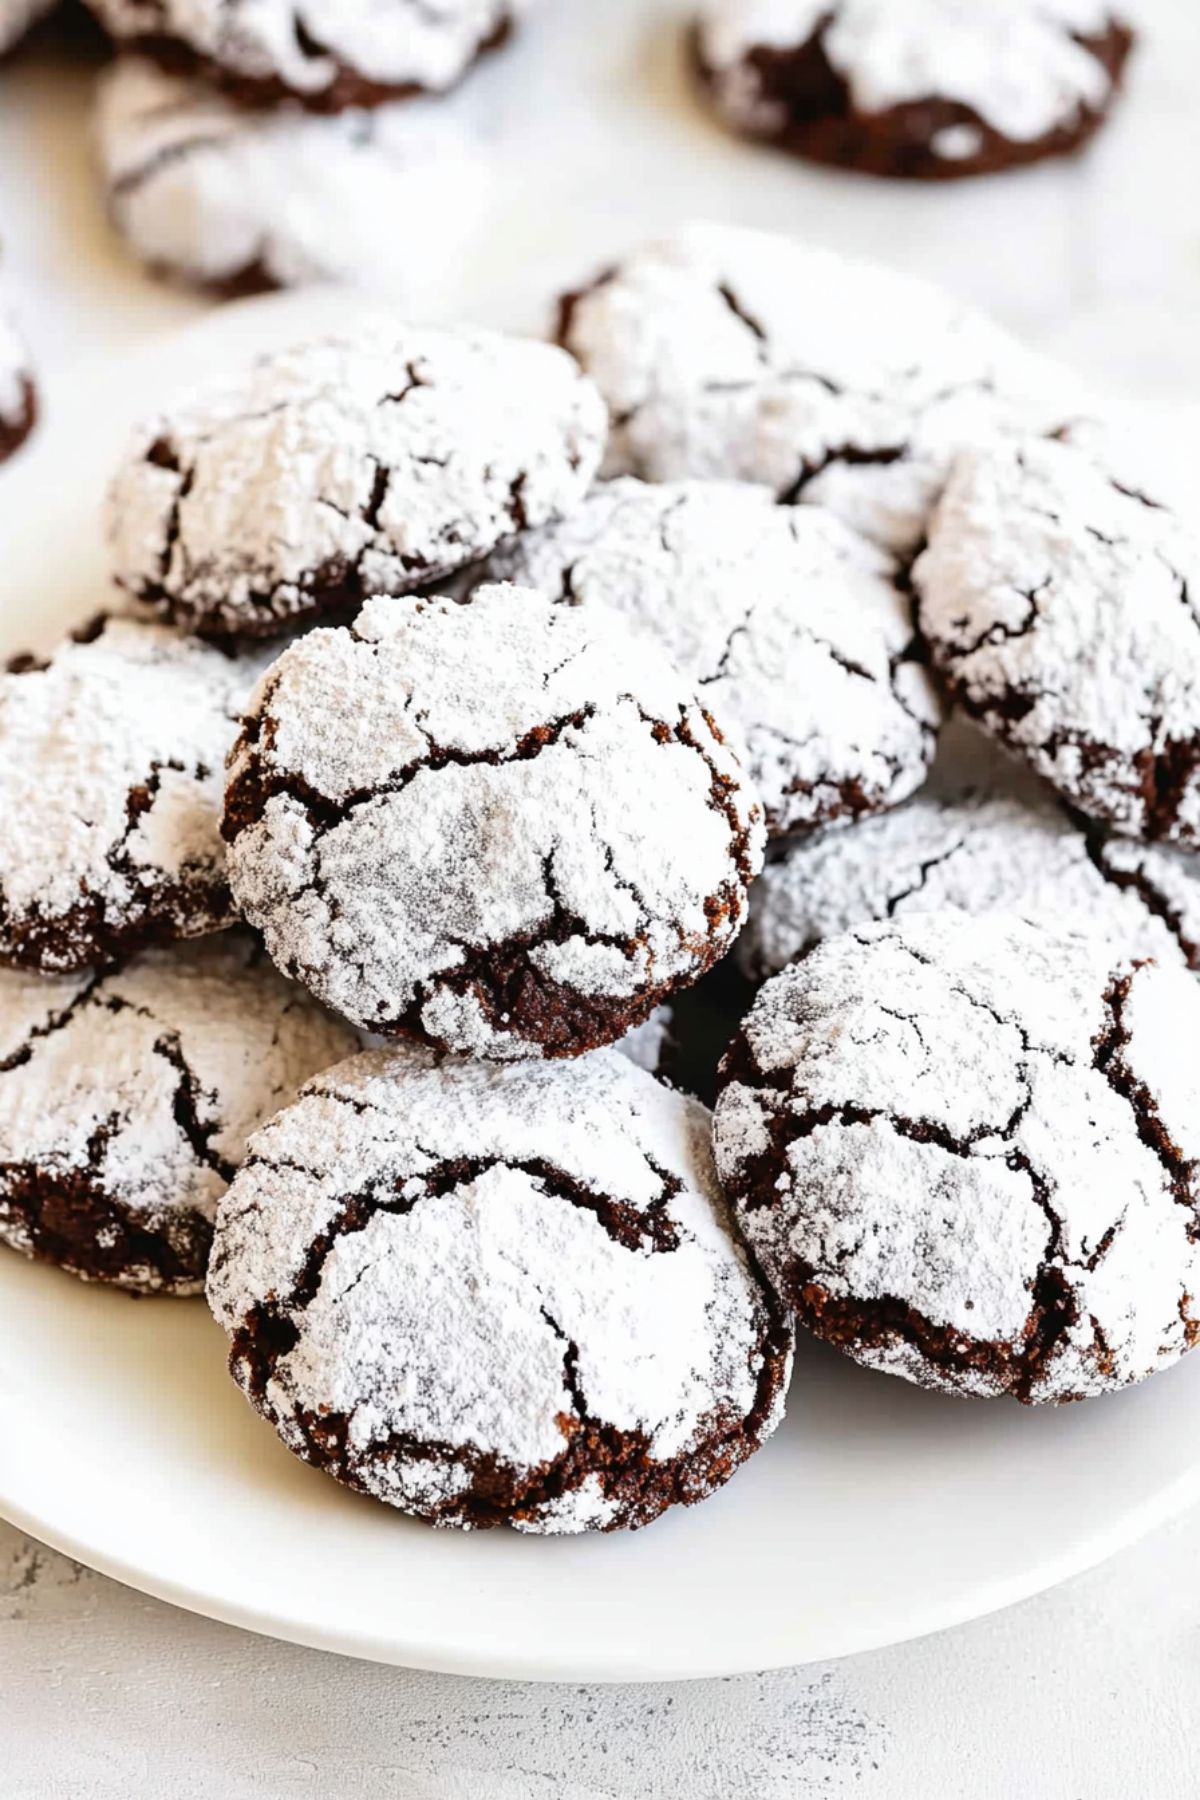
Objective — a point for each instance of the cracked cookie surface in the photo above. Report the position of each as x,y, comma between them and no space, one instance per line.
496,1295
1062,607
924,89
735,354
111,758
126,1098
790,625
478,823
983,841
346,467
965,1150
237,200
18,392
324,54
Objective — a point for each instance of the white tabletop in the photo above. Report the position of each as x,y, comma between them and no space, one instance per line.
1087,1692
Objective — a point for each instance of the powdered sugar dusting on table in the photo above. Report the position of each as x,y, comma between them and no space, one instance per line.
1018,64
731,353
448,778
790,624
505,1303
969,1115
373,463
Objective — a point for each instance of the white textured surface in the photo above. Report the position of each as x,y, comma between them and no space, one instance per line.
306,43
517,1312
102,1691
14,372
458,782
791,625
1014,62
206,190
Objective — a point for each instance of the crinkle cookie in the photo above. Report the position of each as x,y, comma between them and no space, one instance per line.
1006,845
373,463
18,17
486,824
325,54
18,394
126,1099
790,625
736,354
967,1152
111,758
498,1295
920,88
1061,606
237,200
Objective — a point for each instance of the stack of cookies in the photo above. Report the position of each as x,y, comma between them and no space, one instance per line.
463,687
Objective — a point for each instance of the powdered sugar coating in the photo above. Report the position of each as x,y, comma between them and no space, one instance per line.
371,463
111,762
126,1100
17,394
1002,845
492,1294
19,16
790,625
321,52
1017,64
966,1150
234,198
734,354
1063,609
482,823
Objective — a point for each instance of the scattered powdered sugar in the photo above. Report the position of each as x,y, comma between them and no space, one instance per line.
110,792
485,1292
790,625
734,354
1019,65
19,16
486,823
15,386
306,47
1005,844
371,463
229,196
966,1150
1061,604
143,1084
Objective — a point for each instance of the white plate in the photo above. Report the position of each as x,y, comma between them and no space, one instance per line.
877,1513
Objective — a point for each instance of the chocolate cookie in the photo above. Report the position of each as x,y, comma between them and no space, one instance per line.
486,824
925,89
734,354
126,1099
236,200
1061,605
1006,844
111,758
498,1295
791,626
17,17
372,463
18,394
967,1152
323,54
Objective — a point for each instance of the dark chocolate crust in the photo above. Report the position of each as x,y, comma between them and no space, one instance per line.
821,123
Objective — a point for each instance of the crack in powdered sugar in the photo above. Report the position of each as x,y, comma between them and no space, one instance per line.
731,354
792,627
342,468
1062,606
476,822
126,1098
988,1181
542,1250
